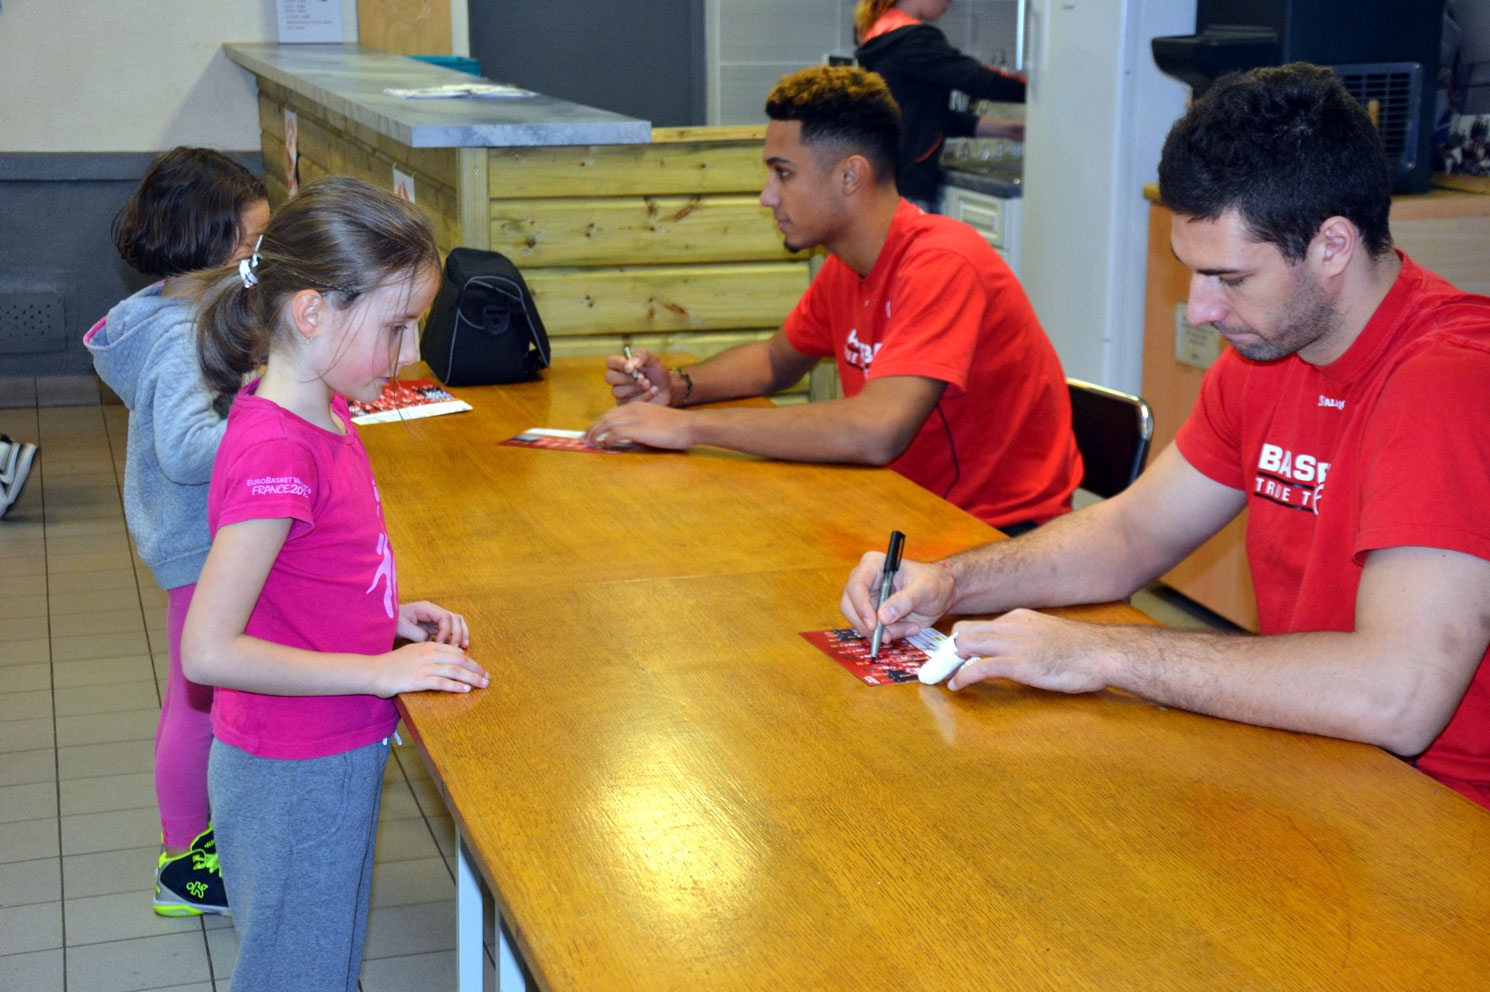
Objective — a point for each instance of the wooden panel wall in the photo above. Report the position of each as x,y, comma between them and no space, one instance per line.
331,144
665,244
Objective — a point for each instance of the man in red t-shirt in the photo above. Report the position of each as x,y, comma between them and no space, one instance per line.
947,376
1348,418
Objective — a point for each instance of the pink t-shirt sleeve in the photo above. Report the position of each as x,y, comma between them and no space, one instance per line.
278,481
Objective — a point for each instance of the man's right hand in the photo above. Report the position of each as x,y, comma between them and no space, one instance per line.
922,595
650,383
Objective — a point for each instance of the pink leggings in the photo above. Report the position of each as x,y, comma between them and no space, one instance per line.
183,738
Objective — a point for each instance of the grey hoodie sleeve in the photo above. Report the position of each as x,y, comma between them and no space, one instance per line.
187,428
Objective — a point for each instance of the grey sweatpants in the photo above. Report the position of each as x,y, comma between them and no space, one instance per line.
295,841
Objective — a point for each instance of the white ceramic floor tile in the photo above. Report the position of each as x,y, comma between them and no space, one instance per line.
156,962
121,916
399,930
36,927
82,647
222,948
91,699
63,603
88,833
93,760
108,728
23,705
29,651
101,671
26,735
27,802
398,802
25,767
24,883
29,840
408,883
405,840
41,970
26,678
32,606
107,873
106,793
413,971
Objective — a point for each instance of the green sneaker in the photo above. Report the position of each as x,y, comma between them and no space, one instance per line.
191,884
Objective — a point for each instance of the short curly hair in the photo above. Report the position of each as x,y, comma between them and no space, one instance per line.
844,106
1288,147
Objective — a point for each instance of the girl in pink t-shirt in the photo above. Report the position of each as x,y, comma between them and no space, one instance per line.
296,613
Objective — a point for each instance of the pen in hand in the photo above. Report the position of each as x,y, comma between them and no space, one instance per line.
887,583
636,374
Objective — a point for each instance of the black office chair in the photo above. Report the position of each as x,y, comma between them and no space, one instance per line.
1113,430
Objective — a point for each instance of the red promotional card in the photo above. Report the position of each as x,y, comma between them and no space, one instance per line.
556,440
406,400
899,661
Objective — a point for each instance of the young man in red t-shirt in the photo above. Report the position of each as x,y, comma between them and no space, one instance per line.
1348,418
947,375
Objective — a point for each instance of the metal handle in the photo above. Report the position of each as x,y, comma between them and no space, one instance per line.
1021,27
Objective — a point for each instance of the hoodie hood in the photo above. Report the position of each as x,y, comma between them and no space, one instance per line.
121,343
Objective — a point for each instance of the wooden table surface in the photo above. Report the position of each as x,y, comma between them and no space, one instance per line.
666,787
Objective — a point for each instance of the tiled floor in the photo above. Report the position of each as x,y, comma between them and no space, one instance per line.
82,655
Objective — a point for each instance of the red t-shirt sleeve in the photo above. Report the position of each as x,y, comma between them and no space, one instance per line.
1426,456
1210,438
934,330
809,327
272,479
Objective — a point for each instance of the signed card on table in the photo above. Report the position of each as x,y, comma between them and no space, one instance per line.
556,440
898,661
406,400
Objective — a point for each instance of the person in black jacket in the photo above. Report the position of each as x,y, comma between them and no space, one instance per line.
897,40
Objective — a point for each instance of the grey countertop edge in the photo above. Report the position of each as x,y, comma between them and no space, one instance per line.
349,80
982,184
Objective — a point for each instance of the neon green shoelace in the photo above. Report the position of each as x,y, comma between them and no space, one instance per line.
202,861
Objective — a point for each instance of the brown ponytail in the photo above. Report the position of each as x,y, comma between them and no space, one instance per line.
339,236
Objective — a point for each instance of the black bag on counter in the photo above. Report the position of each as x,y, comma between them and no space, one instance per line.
483,328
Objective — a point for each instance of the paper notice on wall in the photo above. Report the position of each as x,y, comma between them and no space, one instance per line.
292,151
403,185
313,21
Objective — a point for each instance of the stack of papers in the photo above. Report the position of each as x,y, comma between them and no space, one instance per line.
460,91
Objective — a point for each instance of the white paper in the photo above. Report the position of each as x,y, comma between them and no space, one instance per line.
461,91
310,21
403,185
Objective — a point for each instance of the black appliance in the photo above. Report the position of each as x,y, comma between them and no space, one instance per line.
1385,52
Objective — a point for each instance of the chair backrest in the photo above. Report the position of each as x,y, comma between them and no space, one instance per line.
1113,430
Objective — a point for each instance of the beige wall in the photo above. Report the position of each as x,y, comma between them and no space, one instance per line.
127,75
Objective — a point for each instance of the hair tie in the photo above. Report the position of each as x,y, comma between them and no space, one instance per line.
246,266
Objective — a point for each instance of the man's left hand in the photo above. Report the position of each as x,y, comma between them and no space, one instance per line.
642,423
1030,648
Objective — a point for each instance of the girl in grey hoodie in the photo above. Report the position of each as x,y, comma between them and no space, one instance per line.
195,209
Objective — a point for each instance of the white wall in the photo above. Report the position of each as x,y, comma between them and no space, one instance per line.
127,75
